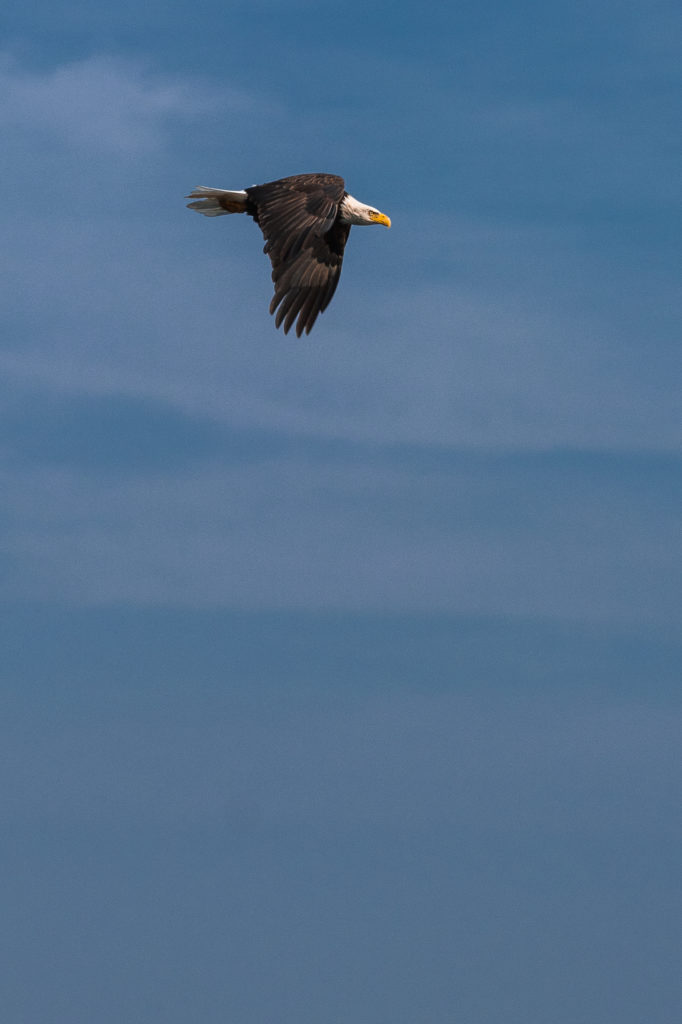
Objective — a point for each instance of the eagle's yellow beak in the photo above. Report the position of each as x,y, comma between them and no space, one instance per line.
380,218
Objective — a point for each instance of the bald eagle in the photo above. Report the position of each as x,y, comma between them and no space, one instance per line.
305,220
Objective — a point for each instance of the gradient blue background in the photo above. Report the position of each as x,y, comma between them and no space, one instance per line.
341,677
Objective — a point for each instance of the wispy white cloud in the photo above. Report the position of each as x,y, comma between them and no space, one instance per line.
105,104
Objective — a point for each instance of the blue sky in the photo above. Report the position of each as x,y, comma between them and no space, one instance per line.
341,675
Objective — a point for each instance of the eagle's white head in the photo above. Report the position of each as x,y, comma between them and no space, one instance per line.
353,212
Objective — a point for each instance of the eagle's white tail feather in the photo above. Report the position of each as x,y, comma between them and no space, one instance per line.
214,202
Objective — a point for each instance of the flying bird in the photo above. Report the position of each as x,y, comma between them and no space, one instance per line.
305,220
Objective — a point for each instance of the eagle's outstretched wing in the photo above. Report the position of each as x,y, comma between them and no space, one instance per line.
305,242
